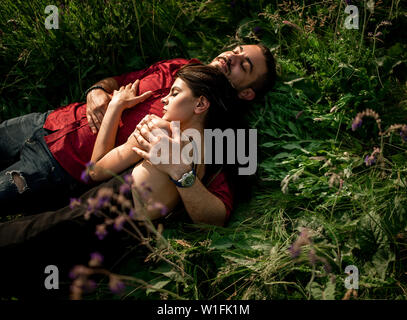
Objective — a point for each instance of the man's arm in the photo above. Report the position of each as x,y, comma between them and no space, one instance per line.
97,101
201,205
106,158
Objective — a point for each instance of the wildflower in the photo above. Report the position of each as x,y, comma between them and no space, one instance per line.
132,213
85,174
303,239
128,178
357,123
103,197
96,259
92,204
369,160
101,231
116,285
124,189
79,270
74,202
119,222
157,205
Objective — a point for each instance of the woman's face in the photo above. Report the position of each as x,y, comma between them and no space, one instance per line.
180,103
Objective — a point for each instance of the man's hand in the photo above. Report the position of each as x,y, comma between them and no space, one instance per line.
96,105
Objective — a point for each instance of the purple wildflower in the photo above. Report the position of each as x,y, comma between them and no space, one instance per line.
124,189
74,202
96,259
84,176
101,202
294,251
101,231
232,4
132,213
116,285
119,222
78,270
369,160
128,178
357,123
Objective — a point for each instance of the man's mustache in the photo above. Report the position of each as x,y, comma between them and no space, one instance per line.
227,61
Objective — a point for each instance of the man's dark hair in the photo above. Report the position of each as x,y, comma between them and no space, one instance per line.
266,81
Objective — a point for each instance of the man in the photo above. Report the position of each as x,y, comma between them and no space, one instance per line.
62,141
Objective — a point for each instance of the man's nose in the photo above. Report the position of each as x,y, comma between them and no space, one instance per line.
235,58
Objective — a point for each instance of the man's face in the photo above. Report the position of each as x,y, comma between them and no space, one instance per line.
243,65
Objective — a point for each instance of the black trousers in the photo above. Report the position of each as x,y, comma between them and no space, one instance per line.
63,238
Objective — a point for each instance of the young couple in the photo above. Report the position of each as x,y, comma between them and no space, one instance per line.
44,155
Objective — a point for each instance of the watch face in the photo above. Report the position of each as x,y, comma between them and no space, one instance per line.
189,180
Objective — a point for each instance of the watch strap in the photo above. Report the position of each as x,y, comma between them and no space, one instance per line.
178,183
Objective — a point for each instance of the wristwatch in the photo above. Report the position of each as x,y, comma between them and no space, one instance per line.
187,179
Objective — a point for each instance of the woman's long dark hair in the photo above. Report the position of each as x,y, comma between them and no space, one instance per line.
226,111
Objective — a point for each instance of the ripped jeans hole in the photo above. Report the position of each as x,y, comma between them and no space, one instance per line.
18,179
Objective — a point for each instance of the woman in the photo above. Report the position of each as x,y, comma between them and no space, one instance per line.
200,98
197,99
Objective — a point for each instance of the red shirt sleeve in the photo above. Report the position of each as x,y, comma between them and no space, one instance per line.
220,188
172,65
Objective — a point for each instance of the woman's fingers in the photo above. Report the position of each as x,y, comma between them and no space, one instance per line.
141,153
143,143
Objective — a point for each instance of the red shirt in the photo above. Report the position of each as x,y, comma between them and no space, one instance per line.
72,141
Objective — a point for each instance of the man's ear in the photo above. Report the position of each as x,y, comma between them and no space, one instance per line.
203,105
247,94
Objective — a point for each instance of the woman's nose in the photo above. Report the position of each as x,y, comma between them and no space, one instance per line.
164,100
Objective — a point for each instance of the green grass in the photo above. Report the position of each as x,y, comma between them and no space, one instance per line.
311,171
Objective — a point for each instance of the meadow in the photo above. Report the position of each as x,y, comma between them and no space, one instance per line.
330,188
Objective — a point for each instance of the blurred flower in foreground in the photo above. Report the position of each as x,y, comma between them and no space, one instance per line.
74,202
116,285
303,239
85,174
369,160
96,259
357,122
101,231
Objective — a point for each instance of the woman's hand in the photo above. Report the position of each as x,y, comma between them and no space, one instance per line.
126,97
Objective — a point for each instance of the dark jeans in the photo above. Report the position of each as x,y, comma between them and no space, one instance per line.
24,156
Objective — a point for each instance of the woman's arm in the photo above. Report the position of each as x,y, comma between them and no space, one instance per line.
107,159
